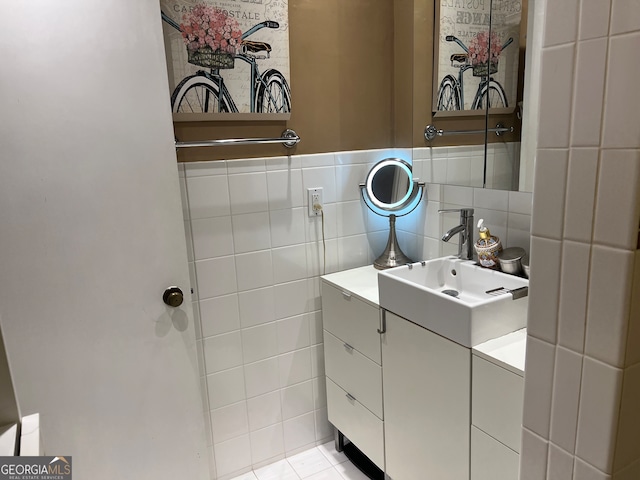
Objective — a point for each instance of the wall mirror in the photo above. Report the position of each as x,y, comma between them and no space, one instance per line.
478,86
390,191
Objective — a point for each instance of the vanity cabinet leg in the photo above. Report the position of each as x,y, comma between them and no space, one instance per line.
338,439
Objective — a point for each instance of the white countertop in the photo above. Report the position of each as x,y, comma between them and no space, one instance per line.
361,281
508,351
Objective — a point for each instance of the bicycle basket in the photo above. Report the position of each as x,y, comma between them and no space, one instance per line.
484,69
208,58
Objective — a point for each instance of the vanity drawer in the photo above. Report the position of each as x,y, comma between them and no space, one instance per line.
355,373
490,459
497,398
356,422
351,320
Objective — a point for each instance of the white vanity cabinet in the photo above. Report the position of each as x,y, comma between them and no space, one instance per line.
419,405
351,318
427,403
496,407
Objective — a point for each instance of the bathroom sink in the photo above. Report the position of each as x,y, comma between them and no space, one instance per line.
455,298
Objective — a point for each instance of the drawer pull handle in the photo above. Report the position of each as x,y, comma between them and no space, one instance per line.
383,322
346,295
348,347
350,397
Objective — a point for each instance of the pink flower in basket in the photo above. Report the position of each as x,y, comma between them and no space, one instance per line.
208,26
479,48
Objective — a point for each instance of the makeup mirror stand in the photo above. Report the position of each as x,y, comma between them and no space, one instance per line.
390,190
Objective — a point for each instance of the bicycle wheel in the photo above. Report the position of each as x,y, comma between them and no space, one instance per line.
491,92
198,94
448,95
273,94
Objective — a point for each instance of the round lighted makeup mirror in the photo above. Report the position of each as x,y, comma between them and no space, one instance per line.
390,190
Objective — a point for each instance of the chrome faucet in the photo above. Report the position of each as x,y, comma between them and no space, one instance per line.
465,229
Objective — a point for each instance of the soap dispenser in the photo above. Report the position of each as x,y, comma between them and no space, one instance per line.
487,247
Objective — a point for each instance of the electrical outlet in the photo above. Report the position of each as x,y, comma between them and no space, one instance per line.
314,197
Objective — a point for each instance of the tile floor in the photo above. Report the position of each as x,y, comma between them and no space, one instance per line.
319,463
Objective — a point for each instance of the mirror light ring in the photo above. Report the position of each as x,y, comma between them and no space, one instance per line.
369,185
419,188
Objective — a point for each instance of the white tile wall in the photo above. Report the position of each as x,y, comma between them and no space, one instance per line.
254,270
617,205
219,315
248,192
587,107
259,343
258,258
545,289
222,352
560,465
216,276
581,193
230,421
256,307
226,387
599,412
252,165
620,128
267,444
594,19
594,432
608,307
625,16
538,389
465,165
297,400
566,399
285,189
208,196
233,455
264,410
293,333
562,23
555,105
584,471
299,432
574,285
533,463
550,180
211,237
249,232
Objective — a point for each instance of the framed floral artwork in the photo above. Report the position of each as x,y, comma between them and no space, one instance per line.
227,59
476,56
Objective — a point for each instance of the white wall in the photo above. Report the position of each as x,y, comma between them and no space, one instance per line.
257,257
582,386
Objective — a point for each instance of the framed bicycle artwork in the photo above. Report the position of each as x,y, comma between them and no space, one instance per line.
227,59
476,56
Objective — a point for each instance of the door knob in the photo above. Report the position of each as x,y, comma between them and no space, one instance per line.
173,296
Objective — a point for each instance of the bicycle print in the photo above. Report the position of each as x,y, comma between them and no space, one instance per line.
482,57
214,40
